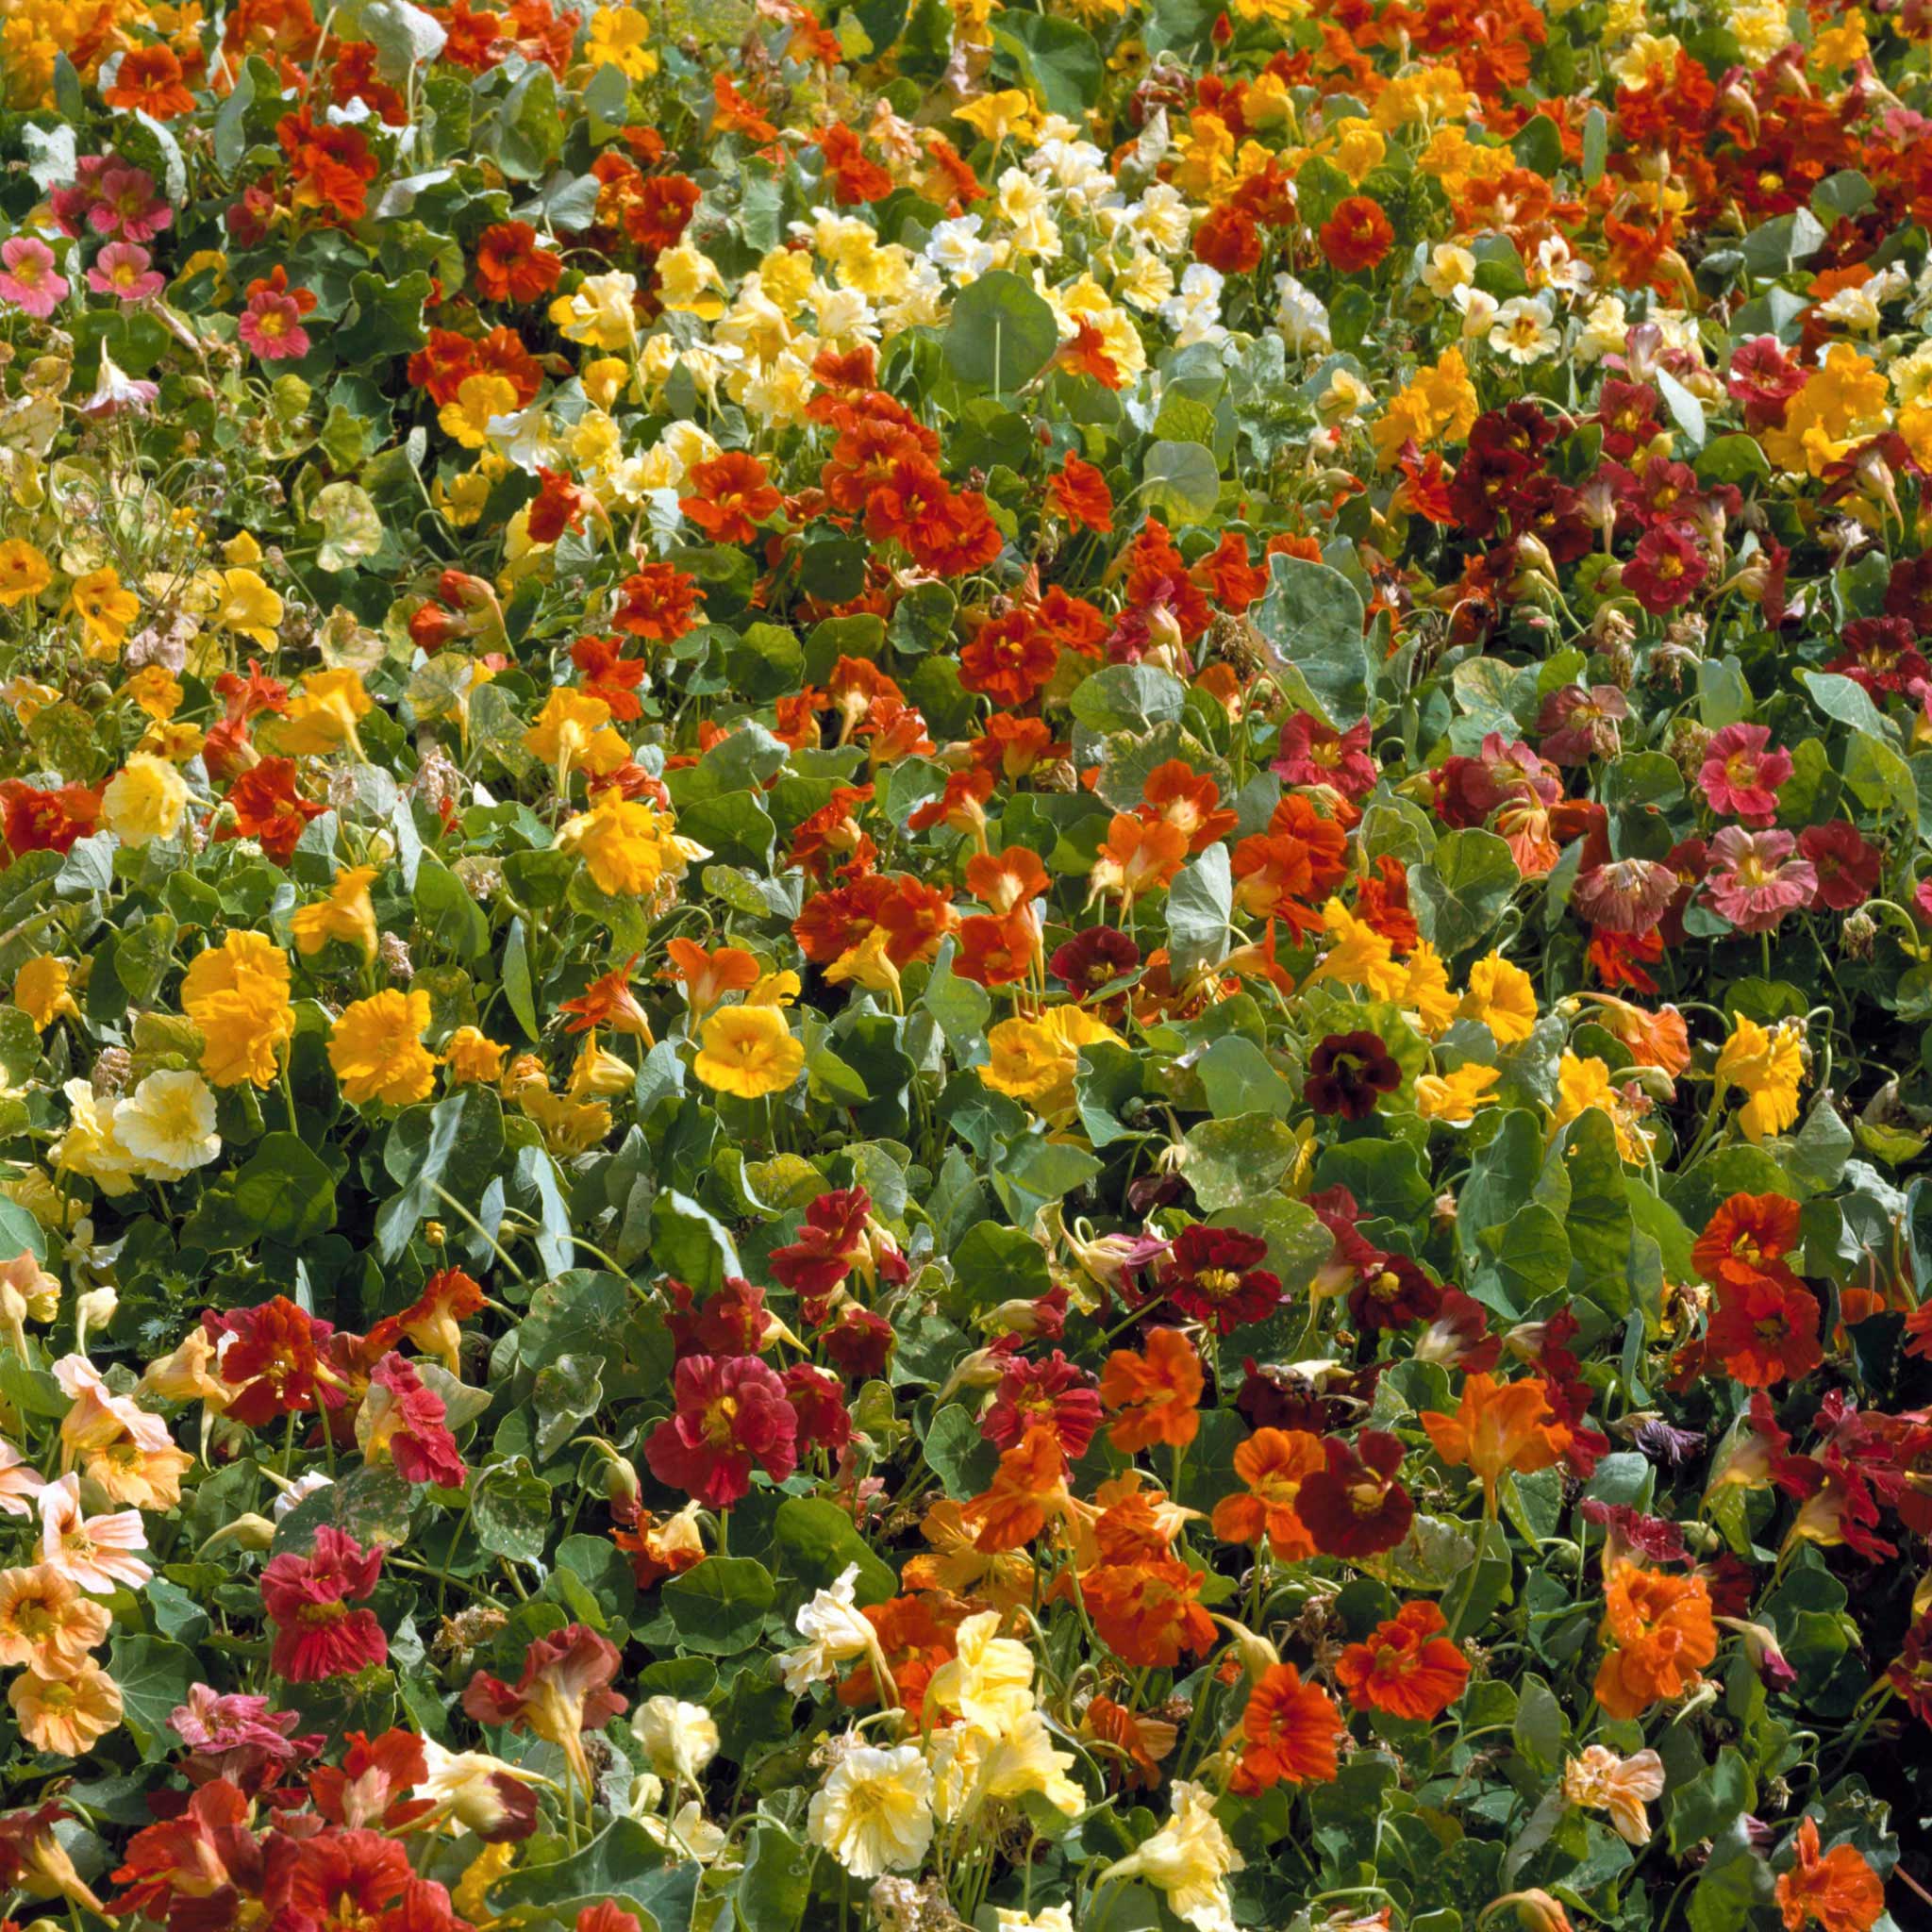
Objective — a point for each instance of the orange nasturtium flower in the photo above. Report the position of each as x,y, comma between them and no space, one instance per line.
1408,1667
1028,1491
1839,1891
1273,1463
1157,1395
1498,1426
1657,1634
1137,857
708,977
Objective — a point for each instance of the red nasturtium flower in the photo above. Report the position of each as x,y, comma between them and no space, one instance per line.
732,494
565,1691
309,1599
1211,1277
1765,1330
732,1416
1406,1667
1356,236
1356,1506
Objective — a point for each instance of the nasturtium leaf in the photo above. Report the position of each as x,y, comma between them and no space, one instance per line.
1001,334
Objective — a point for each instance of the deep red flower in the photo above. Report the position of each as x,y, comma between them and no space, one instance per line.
732,1416
1347,1073
511,265
1211,1275
1392,1294
1666,568
830,1242
1847,864
1229,241
1051,1394
267,808
658,601
1356,1506
308,1598
731,1320
337,1879
269,1353
38,820
819,1403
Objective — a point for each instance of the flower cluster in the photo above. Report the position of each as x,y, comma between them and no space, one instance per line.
965,965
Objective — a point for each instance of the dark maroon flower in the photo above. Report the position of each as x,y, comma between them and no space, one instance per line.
1211,1277
1458,1336
1347,1073
1909,593
1356,1506
1093,958
1651,1537
1395,1294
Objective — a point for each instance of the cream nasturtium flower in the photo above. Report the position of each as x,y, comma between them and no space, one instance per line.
874,1813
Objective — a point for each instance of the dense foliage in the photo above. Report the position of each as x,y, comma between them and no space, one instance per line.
970,965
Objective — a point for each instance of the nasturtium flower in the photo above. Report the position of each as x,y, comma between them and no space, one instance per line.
626,845
1497,1427
1190,1857
1406,1665
573,732
1657,1636
106,611
322,716
1034,1060
1766,1065
145,801
749,1051
1836,1890
238,994
242,601
167,1124
65,1715
873,1812
732,1416
1155,1394
25,572
41,990
347,914
376,1049
1596,1779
